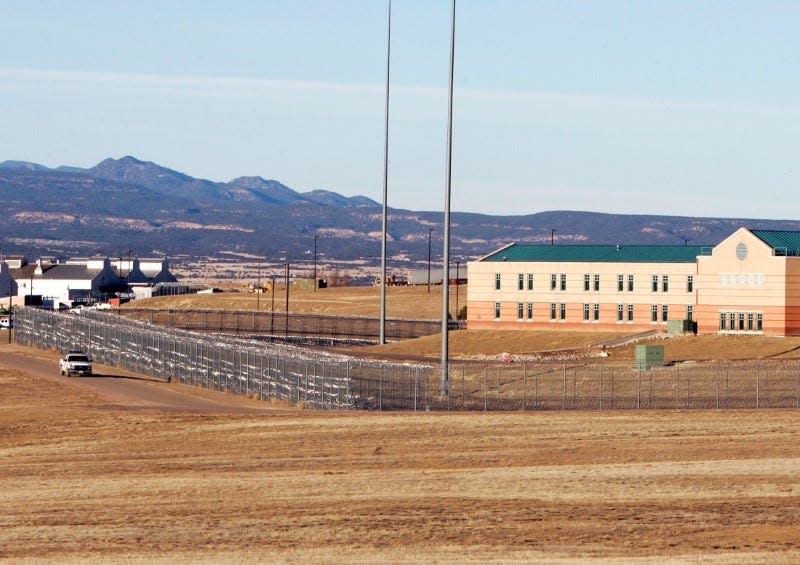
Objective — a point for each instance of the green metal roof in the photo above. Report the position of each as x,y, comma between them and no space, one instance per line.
598,253
784,242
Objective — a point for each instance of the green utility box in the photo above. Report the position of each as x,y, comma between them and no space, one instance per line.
675,327
648,356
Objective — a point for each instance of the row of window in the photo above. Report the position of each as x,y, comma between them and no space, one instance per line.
741,321
558,311
592,282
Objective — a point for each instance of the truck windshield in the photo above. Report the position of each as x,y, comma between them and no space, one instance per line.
78,358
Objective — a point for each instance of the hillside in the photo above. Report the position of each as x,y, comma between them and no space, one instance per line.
123,205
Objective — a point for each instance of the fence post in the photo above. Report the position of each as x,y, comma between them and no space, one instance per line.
638,388
601,387
717,385
757,406
416,388
564,389
380,389
498,388
524,383
485,391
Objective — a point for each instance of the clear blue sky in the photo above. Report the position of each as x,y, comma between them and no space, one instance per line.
688,108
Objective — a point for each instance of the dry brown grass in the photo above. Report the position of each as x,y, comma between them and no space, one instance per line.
415,302
84,480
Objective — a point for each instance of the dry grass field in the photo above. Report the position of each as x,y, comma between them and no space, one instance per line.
415,302
89,477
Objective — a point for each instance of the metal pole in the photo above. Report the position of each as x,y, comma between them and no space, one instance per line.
286,326
258,288
272,311
458,264
553,236
430,231
382,336
445,380
315,263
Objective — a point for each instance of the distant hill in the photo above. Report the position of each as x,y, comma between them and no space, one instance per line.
127,204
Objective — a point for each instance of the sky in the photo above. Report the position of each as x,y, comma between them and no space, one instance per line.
686,108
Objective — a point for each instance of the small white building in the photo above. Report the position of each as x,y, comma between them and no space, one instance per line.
80,280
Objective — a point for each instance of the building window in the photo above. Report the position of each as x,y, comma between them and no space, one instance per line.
563,311
749,321
620,312
664,313
496,310
520,310
596,312
690,283
497,281
732,321
530,281
585,312
654,313
741,321
552,310
630,283
620,283
689,312
630,312
655,283
563,282
530,310
665,283
759,322
552,281
586,283
597,283
520,282
722,321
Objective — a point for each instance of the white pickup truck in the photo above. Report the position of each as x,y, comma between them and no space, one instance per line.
75,363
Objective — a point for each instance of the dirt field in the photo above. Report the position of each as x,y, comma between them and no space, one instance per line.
92,471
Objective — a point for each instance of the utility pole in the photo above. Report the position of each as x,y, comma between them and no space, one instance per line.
430,231
315,263
272,310
286,327
258,287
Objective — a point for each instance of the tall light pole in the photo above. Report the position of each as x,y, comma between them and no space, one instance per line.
430,231
445,380
382,332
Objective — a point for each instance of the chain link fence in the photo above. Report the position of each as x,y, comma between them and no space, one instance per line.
294,325
312,378
294,375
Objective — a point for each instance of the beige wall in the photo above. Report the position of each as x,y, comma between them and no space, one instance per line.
755,284
759,284
482,294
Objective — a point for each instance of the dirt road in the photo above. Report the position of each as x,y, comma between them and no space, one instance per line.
123,389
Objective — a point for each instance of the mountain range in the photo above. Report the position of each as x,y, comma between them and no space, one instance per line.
126,205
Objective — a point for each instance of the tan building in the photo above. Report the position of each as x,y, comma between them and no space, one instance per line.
748,283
